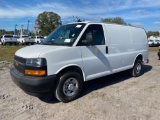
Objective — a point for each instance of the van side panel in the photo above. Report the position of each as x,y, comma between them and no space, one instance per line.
119,47
125,43
119,38
139,36
139,42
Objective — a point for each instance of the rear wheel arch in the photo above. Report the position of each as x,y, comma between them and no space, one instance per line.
137,66
140,57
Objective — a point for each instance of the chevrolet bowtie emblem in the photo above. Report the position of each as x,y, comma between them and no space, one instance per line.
16,63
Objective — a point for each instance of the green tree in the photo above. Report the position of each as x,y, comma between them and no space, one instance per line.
152,33
2,31
116,20
156,33
47,22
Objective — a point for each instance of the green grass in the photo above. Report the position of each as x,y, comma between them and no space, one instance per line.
7,52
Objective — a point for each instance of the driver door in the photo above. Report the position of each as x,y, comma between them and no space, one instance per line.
95,62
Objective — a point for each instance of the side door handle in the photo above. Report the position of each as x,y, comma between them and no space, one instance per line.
107,49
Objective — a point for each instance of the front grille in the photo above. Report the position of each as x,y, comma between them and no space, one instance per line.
20,59
19,64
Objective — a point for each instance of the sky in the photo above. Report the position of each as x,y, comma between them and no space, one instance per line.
142,13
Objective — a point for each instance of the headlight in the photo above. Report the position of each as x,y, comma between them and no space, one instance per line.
36,67
36,62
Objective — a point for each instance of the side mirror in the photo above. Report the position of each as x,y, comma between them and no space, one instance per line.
89,39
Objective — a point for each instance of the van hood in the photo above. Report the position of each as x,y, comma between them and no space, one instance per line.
34,51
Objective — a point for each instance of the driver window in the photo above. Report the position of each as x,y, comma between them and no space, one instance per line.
97,34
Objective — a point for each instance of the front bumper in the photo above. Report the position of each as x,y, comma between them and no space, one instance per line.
36,86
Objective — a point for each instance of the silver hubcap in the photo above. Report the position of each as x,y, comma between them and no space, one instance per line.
70,87
138,68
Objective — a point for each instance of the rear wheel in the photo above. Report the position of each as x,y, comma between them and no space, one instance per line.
3,43
19,43
137,68
24,43
69,86
10,43
14,43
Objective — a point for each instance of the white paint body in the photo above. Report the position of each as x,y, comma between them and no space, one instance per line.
124,44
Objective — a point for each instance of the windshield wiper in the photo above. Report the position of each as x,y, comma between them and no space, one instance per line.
50,43
53,43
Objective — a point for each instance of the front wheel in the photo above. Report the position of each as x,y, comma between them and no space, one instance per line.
158,54
137,68
69,86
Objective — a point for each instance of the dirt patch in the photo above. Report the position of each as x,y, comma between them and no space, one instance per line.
5,65
114,97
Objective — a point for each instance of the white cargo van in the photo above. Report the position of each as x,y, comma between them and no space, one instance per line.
78,52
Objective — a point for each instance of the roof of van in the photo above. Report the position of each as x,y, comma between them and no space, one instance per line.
106,23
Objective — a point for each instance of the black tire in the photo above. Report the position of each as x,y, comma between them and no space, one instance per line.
15,43
29,43
137,68
23,43
69,86
10,44
4,44
19,43
158,55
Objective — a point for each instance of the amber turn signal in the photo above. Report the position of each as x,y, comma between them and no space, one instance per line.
35,72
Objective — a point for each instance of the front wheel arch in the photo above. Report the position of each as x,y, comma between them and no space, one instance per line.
71,68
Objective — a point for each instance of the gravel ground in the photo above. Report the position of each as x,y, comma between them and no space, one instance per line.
114,97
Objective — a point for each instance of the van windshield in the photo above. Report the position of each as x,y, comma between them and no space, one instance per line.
64,35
